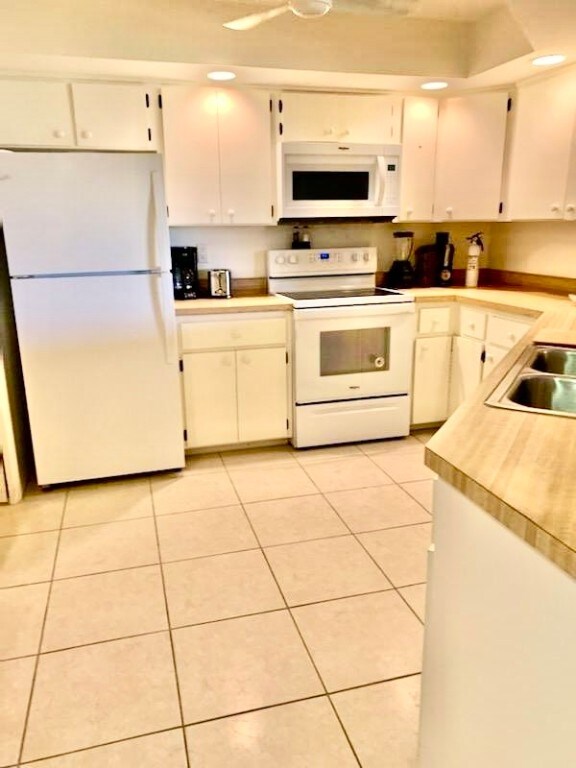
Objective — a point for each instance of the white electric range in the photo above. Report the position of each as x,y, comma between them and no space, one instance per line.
352,346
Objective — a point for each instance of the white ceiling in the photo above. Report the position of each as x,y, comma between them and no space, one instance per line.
470,43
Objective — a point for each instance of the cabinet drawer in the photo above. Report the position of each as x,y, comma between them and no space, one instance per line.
506,331
434,320
233,334
472,323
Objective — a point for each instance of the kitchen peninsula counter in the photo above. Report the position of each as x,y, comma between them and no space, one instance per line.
241,304
520,467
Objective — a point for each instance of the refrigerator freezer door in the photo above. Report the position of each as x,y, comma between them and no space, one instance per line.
101,375
82,212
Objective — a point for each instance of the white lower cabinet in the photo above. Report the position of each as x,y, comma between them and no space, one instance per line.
235,380
431,370
466,369
498,667
431,377
483,340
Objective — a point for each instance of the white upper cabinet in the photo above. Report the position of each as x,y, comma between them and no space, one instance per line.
542,170
419,130
218,156
113,116
76,116
35,114
469,157
360,119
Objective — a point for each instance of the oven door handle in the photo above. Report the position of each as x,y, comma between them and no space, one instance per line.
354,311
381,165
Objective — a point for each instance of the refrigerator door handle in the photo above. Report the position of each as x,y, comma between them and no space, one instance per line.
162,238
167,316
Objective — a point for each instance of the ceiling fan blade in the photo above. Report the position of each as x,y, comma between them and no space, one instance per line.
249,22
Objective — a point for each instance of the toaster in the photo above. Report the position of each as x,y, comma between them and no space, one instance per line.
220,283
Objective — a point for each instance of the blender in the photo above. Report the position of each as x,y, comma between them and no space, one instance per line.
401,273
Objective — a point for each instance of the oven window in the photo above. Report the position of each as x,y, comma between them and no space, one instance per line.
330,185
364,350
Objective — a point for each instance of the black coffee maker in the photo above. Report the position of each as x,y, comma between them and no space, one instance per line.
185,272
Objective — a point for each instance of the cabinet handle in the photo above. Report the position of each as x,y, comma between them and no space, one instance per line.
59,134
512,336
489,359
236,334
472,326
86,134
409,212
329,131
555,208
570,208
449,211
245,359
344,133
212,214
226,361
231,213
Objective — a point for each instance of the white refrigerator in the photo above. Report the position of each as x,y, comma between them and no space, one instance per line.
88,253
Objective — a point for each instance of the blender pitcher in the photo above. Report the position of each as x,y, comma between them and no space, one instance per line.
401,273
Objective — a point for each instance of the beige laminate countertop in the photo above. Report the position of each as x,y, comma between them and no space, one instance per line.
519,467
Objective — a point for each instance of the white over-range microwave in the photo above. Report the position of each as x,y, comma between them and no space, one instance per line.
331,180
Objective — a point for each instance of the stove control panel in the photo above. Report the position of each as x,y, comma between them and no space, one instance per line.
322,261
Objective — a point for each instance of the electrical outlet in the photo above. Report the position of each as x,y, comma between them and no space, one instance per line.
202,254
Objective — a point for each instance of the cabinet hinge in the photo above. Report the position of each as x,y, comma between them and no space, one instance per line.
280,106
272,211
181,365
167,212
149,134
147,101
500,207
483,356
287,424
270,105
280,129
185,435
509,105
159,101
286,358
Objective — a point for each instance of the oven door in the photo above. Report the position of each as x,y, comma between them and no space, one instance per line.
344,353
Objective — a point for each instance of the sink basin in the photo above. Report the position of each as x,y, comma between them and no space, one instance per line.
542,381
549,393
555,360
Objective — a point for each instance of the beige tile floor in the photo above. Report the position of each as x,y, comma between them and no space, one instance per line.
261,608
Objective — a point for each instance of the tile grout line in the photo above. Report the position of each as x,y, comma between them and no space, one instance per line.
297,628
42,630
170,635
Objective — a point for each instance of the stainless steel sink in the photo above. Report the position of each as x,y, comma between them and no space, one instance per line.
545,392
543,381
560,360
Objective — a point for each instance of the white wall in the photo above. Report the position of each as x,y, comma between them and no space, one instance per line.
243,249
538,247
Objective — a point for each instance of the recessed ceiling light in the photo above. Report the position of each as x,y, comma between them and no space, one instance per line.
221,75
435,85
548,61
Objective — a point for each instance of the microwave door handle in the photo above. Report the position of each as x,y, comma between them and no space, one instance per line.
381,179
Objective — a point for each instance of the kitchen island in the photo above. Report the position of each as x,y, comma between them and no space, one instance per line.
499,668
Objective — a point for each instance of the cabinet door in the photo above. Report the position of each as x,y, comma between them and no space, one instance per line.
493,355
244,125
190,120
340,117
431,377
210,398
112,116
35,115
262,394
466,370
469,158
308,117
538,176
420,123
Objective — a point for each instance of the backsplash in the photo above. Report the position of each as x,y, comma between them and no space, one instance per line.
538,248
535,247
243,249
